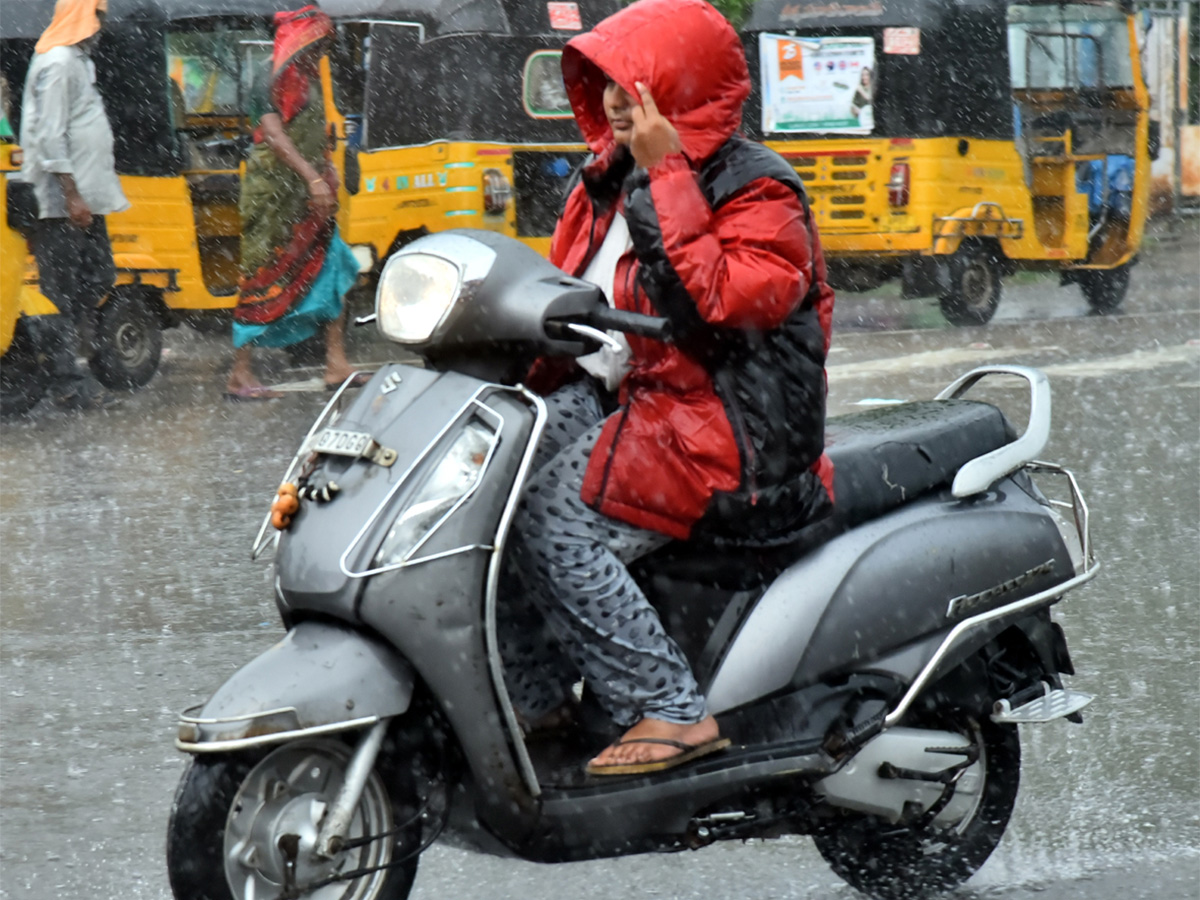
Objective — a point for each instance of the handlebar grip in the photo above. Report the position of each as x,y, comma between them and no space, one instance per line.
611,319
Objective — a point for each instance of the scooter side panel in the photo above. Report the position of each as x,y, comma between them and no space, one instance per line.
323,673
889,583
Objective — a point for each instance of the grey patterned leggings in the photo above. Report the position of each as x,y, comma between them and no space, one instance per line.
569,560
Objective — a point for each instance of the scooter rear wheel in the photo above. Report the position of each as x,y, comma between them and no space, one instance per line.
230,812
895,862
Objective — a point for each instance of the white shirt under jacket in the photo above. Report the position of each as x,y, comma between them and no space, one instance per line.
607,364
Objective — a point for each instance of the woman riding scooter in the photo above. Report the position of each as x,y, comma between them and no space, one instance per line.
677,215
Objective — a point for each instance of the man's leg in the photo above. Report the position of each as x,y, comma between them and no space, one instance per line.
97,274
57,249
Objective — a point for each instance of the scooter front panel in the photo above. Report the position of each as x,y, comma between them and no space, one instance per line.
433,613
403,408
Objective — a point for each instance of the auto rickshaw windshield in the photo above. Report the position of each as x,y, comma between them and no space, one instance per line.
1071,46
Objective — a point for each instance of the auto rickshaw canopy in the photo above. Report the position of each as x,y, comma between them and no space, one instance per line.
28,18
468,85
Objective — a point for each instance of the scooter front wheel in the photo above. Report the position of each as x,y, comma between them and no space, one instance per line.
898,862
244,827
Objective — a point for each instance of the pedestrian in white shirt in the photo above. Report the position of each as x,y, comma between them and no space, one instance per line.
68,147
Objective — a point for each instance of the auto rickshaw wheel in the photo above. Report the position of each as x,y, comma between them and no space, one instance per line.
24,375
974,291
128,340
1104,289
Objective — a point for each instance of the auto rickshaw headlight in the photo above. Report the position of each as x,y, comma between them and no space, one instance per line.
416,292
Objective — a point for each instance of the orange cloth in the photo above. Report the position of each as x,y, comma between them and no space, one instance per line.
74,21
294,32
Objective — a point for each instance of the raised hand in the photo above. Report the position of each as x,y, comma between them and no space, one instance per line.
653,136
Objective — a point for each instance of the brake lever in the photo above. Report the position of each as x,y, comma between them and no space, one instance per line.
359,321
595,334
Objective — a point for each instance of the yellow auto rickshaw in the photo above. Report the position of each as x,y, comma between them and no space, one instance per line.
23,374
440,115
951,142
453,115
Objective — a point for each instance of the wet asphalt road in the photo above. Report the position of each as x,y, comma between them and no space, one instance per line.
126,594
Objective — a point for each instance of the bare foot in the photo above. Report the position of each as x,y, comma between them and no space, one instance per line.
635,754
242,380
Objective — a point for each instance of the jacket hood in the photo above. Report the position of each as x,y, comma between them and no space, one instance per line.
683,50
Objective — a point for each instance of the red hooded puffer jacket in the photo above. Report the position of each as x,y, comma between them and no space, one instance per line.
746,266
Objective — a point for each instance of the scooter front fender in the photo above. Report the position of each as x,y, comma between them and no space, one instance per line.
320,679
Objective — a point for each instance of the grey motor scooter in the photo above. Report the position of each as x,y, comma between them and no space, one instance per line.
870,669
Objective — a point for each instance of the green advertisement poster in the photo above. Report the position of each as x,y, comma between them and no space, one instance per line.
817,84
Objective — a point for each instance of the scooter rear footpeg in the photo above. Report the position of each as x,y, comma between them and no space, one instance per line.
1054,704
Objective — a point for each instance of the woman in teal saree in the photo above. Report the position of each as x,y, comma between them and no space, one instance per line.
295,267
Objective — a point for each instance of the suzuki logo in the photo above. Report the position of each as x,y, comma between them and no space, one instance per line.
390,383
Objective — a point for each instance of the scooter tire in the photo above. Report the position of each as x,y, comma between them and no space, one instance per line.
889,862
201,811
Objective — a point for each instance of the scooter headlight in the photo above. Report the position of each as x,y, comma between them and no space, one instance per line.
416,293
454,477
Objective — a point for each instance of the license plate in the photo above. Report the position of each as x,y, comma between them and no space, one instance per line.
343,443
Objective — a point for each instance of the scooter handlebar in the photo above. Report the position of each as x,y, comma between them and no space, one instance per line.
595,325
610,319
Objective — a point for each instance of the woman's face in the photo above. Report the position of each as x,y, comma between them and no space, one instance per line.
618,107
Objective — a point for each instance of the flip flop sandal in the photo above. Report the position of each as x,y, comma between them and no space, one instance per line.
357,380
688,752
252,393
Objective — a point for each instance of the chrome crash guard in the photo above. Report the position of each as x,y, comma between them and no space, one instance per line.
320,679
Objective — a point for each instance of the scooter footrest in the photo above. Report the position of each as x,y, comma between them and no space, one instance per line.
1054,704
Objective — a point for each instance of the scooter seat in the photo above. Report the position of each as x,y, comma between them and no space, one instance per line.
887,456
883,458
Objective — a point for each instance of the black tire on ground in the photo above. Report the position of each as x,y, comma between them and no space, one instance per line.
892,862
204,808
128,340
974,293
24,375
1104,289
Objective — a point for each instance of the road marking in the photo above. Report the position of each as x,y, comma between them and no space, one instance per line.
1137,361
300,387
929,359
